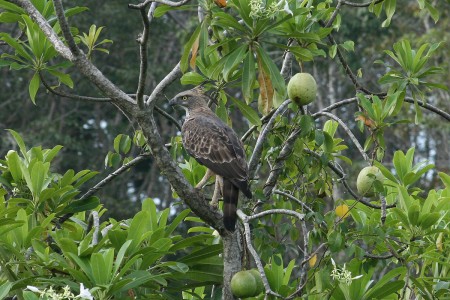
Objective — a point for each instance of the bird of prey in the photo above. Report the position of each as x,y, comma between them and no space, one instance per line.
215,145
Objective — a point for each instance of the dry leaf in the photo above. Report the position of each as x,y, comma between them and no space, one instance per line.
221,3
194,52
266,90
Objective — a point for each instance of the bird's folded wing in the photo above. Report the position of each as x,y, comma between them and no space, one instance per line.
216,146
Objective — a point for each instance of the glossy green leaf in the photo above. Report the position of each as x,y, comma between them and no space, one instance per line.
82,205
247,111
248,76
34,87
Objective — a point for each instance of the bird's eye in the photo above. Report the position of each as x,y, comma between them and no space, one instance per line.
184,98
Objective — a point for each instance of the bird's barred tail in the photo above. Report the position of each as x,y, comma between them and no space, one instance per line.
230,200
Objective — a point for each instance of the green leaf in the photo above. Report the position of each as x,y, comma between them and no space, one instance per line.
34,87
203,253
82,205
38,175
248,76
429,219
413,214
14,162
5,288
49,154
187,49
122,143
233,60
19,142
378,290
192,78
247,111
138,227
120,256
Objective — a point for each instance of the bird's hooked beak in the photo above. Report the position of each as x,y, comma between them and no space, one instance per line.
173,102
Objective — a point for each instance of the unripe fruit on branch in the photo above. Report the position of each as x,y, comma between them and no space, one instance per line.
365,180
243,284
302,88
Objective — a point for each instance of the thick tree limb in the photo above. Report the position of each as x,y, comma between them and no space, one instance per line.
45,27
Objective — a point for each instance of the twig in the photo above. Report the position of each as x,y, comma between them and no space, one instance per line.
336,105
257,150
168,116
342,178
334,15
365,4
427,106
348,131
166,2
96,225
277,168
105,181
65,28
151,11
143,67
171,77
386,256
70,96
248,239
299,216
302,204
264,120
430,107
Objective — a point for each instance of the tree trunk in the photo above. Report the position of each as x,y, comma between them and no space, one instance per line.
232,261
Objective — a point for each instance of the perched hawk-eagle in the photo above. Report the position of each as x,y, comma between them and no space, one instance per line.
215,145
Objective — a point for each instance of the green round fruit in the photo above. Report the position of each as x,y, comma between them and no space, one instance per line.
259,282
243,284
364,182
302,88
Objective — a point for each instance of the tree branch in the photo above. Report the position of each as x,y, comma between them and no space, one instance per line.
170,78
279,163
348,131
65,28
143,45
248,240
70,96
366,4
45,27
257,150
430,107
342,178
105,181
334,15
166,2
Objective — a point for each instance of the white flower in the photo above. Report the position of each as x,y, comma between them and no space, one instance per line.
84,293
287,9
33,289
342,275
